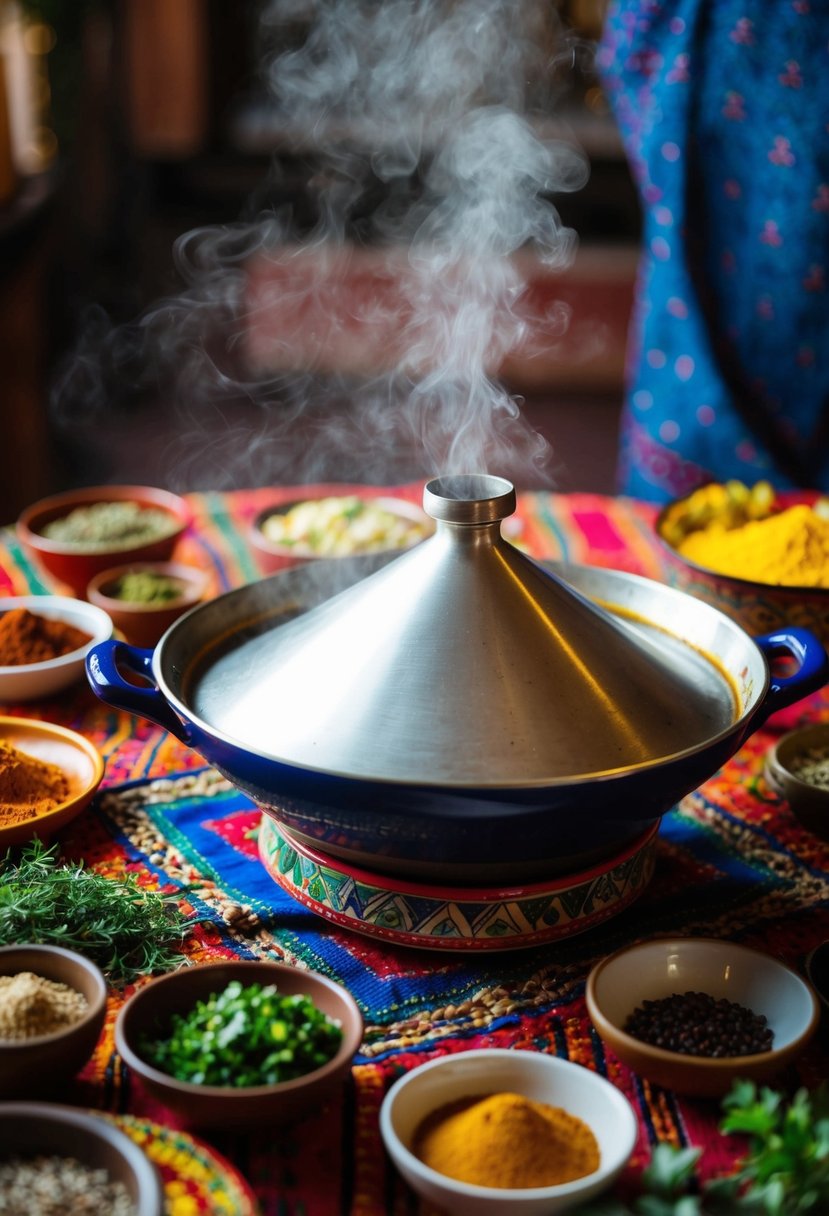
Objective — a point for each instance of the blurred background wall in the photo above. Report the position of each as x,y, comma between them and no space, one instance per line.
127,123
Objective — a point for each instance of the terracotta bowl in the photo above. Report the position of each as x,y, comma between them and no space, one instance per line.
75,565
38,1067
29,1129
148,1013
34,681
273,556
540,1077
655,969
808,803
80,760
759,607
143,624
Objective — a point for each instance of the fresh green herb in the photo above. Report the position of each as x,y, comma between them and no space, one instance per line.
785,1171
124,928
146,587
246,1035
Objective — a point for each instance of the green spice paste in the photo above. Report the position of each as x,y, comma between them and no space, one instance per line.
146,587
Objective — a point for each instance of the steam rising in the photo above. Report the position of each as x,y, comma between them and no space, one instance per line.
374,323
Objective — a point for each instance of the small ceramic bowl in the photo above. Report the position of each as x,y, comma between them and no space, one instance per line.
656,969
273,555
80,761
31,1129
809,803
758,607
149,1010
75,564
542,1078
34,681
40,1066
142,624
817,971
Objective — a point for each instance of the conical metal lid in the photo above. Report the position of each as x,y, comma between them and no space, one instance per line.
464,662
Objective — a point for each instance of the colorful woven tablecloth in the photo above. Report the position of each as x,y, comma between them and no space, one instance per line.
731,861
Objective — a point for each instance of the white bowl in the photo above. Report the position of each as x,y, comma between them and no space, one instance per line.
540,1077
30,681
655,969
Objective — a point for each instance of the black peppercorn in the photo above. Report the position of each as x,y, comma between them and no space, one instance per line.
698,1024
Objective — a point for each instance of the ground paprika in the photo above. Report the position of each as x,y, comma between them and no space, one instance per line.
27,637
28,787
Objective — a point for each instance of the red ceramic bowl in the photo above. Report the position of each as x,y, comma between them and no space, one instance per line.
143,624
73,564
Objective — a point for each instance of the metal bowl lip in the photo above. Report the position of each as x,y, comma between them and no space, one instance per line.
786,498
703,1063
741,722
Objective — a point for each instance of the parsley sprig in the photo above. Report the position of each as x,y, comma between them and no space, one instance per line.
785,1171
128,930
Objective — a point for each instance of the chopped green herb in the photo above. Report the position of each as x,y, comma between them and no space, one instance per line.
126,929
245,1035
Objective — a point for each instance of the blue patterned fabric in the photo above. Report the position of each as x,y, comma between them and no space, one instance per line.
723,106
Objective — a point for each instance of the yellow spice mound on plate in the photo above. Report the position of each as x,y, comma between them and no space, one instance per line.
788,549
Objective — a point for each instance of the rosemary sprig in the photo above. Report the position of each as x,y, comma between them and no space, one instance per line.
126,929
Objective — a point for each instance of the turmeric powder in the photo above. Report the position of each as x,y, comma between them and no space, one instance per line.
789,549
745,532
505,1140
28,787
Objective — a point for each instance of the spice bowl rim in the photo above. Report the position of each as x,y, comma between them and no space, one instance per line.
54,506
51,605
785,499
194,582
498,1069
185,1096
60,815
706,1075
808,803
97,1126
37,1066
73,959
396,504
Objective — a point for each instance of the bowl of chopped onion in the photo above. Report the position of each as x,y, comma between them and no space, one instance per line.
340,525
280,1040
758,555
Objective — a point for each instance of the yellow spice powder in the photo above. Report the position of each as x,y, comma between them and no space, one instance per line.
505,1140
788,549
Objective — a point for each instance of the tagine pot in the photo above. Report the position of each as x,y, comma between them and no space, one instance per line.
460,708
